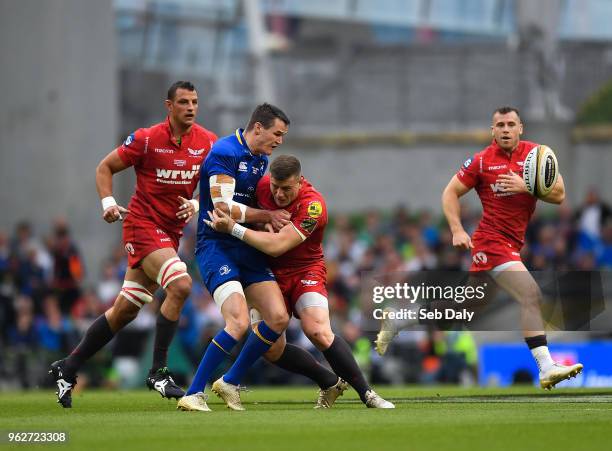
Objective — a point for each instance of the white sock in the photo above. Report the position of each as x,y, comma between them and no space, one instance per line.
542,358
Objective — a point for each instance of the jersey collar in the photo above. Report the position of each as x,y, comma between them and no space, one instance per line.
171,135
240,136
501,152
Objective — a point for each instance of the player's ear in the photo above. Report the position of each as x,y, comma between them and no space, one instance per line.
520,128
168,104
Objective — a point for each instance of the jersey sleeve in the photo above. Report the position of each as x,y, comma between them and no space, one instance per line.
469,172
133,148
221,161
260,191
310,215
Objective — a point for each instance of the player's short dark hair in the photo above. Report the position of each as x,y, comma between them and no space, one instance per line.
506,110
179,85
265,114
284,167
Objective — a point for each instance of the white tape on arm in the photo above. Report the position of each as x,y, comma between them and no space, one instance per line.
107,202
196,204
238,231
224,192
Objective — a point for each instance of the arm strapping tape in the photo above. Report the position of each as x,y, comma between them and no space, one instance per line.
223,191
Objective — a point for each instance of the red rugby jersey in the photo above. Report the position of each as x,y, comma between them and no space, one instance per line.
164,170
308,215
505,215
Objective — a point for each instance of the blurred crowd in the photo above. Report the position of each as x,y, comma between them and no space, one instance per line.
46,302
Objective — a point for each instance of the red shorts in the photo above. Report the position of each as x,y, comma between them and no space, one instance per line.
488,254
294,282
141,237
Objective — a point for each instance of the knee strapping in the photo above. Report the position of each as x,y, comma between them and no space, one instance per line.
136,293
171,270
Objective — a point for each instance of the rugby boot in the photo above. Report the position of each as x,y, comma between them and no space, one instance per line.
557,373
65,382
195,402
328,397
162,382
229,393
388,331
374,401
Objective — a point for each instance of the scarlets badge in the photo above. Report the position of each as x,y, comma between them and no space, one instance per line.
315,209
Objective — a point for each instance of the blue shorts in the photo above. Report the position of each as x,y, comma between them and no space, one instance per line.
223,260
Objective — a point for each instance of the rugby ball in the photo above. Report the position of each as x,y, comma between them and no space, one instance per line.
540,171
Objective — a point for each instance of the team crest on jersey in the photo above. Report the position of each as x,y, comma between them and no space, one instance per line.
315,209
480,257
309,224
129,140
195,152
467,163
224,270
129,248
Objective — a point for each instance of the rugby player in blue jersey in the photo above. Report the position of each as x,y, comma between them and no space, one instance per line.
232,270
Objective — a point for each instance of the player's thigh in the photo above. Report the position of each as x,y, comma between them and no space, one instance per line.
217,262
518,282
267,298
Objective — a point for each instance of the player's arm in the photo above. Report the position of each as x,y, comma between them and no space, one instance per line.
557,195
222,188
273,244
452,210
514,183
111,164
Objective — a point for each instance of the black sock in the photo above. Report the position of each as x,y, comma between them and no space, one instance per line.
536,342
300,361
164,333
340,357
98,334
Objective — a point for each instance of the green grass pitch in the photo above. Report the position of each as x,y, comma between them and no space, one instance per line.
436,418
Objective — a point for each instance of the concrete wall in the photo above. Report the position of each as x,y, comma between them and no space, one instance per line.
58,115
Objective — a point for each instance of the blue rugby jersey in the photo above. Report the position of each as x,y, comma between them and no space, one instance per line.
230,156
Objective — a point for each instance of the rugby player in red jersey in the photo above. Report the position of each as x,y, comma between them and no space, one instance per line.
299,266
166,158
495,174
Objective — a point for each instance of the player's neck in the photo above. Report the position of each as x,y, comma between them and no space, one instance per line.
249,139
509,152
177,130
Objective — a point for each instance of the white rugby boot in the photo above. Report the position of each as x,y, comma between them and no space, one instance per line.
557,373
374,401
388,331
195,402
